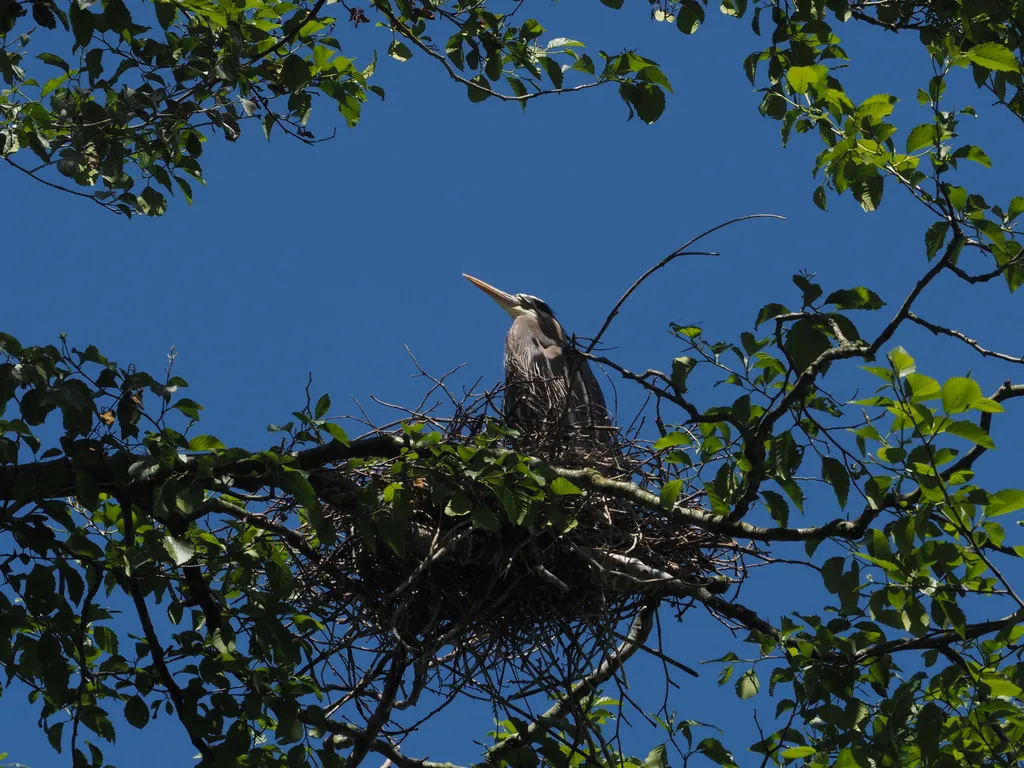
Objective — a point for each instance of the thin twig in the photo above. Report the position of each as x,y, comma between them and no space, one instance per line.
680,251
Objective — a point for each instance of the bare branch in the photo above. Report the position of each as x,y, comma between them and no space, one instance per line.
939,330
680,251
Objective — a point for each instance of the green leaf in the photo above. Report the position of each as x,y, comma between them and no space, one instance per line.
768,311
672,439
53,84
657,758
999,687
935,237
792,753
654,75
323,405
165,12
834,473
855,298
921,388
820,198
970,152
82,25
106,639
712,749
299,486
1004,502
206,443
902,362
681,368
805,342
399,51
959,394
56,731
616,4
778,507
690,17
337,433
924,135
994,56
734,8
180,550
136,712
972,432
874,108
802,79
295,73
460,504
476,95
562,487
748,685
54,61
563,42
868,191
484,518
670,492
647,99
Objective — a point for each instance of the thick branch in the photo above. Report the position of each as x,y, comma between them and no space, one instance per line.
56,478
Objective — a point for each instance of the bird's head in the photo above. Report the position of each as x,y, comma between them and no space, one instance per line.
516,304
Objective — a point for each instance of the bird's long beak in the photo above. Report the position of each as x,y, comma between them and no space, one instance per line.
504,300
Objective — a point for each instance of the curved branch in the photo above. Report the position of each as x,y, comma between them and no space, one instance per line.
940,330
680,251
643,623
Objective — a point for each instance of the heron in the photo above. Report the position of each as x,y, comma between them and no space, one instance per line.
550,389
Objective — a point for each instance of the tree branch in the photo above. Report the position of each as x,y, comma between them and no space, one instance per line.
680,251
643,623
384,748
129,585
937,640
939,330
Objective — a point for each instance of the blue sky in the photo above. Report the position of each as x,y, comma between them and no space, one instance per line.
329,260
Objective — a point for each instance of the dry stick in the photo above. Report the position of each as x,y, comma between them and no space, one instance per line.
680,251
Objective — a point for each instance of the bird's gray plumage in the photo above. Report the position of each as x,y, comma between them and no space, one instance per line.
551,393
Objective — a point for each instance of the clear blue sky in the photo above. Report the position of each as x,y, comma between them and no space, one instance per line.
327,260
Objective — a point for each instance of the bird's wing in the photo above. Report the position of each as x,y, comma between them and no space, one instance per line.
586,398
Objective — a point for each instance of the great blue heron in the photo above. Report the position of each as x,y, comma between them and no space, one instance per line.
550,390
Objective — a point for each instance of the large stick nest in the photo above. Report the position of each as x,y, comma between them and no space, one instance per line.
453,595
